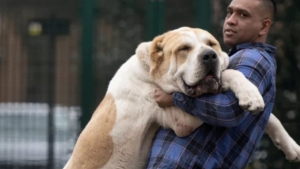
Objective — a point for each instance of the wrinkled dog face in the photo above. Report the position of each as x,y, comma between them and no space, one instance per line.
187,60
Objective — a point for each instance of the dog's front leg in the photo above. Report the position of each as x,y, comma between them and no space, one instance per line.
250,99
282,139
247,93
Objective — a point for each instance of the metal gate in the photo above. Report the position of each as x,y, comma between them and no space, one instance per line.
39,72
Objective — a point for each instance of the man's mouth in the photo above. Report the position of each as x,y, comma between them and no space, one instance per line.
229,32
209,84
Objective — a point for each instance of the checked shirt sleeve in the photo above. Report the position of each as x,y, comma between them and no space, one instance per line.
223,109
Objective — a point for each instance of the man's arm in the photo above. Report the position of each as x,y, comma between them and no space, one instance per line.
223,109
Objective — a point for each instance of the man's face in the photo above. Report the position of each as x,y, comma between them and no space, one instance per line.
243,22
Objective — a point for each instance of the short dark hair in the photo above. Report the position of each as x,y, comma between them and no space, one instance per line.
274,8
271,5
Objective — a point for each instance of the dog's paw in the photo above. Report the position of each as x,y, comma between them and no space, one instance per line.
291,150
250,98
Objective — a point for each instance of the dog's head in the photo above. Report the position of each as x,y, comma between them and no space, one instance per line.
186,60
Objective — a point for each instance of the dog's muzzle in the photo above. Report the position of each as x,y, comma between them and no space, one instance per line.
210,83
208,58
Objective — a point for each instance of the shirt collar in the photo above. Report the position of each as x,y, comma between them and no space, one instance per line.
269,48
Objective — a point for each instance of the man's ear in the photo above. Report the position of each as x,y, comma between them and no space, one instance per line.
266,25
156,53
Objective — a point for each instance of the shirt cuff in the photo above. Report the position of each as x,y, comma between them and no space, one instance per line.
178,97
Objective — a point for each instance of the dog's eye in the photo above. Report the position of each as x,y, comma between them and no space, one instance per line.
211,44
185,48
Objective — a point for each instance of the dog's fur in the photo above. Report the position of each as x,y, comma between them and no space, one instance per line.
120,133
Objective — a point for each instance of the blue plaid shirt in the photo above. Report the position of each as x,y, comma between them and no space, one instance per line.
229,135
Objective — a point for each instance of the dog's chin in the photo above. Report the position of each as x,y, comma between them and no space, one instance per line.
207,85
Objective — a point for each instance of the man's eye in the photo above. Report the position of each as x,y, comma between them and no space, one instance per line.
243,15
229,13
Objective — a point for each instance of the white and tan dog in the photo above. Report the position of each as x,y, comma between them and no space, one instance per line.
120,133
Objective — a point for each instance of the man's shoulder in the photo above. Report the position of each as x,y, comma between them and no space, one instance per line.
253,56
253,48
254,53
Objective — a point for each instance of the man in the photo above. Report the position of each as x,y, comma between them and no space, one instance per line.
230,135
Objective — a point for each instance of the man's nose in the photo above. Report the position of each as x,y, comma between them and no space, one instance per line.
231,20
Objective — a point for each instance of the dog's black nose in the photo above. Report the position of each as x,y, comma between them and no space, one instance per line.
208,56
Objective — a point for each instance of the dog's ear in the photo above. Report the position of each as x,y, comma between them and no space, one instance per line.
156,53
143,49
143,53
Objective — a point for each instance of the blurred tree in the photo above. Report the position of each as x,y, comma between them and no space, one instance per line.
120,27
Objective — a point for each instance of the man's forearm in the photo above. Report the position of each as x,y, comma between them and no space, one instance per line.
218,110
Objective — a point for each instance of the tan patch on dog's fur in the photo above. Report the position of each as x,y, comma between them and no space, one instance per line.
210,41
95,145
159,61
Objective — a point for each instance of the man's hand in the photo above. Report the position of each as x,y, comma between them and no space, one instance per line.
163,99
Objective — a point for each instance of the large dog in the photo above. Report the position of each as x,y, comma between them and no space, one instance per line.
120,133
